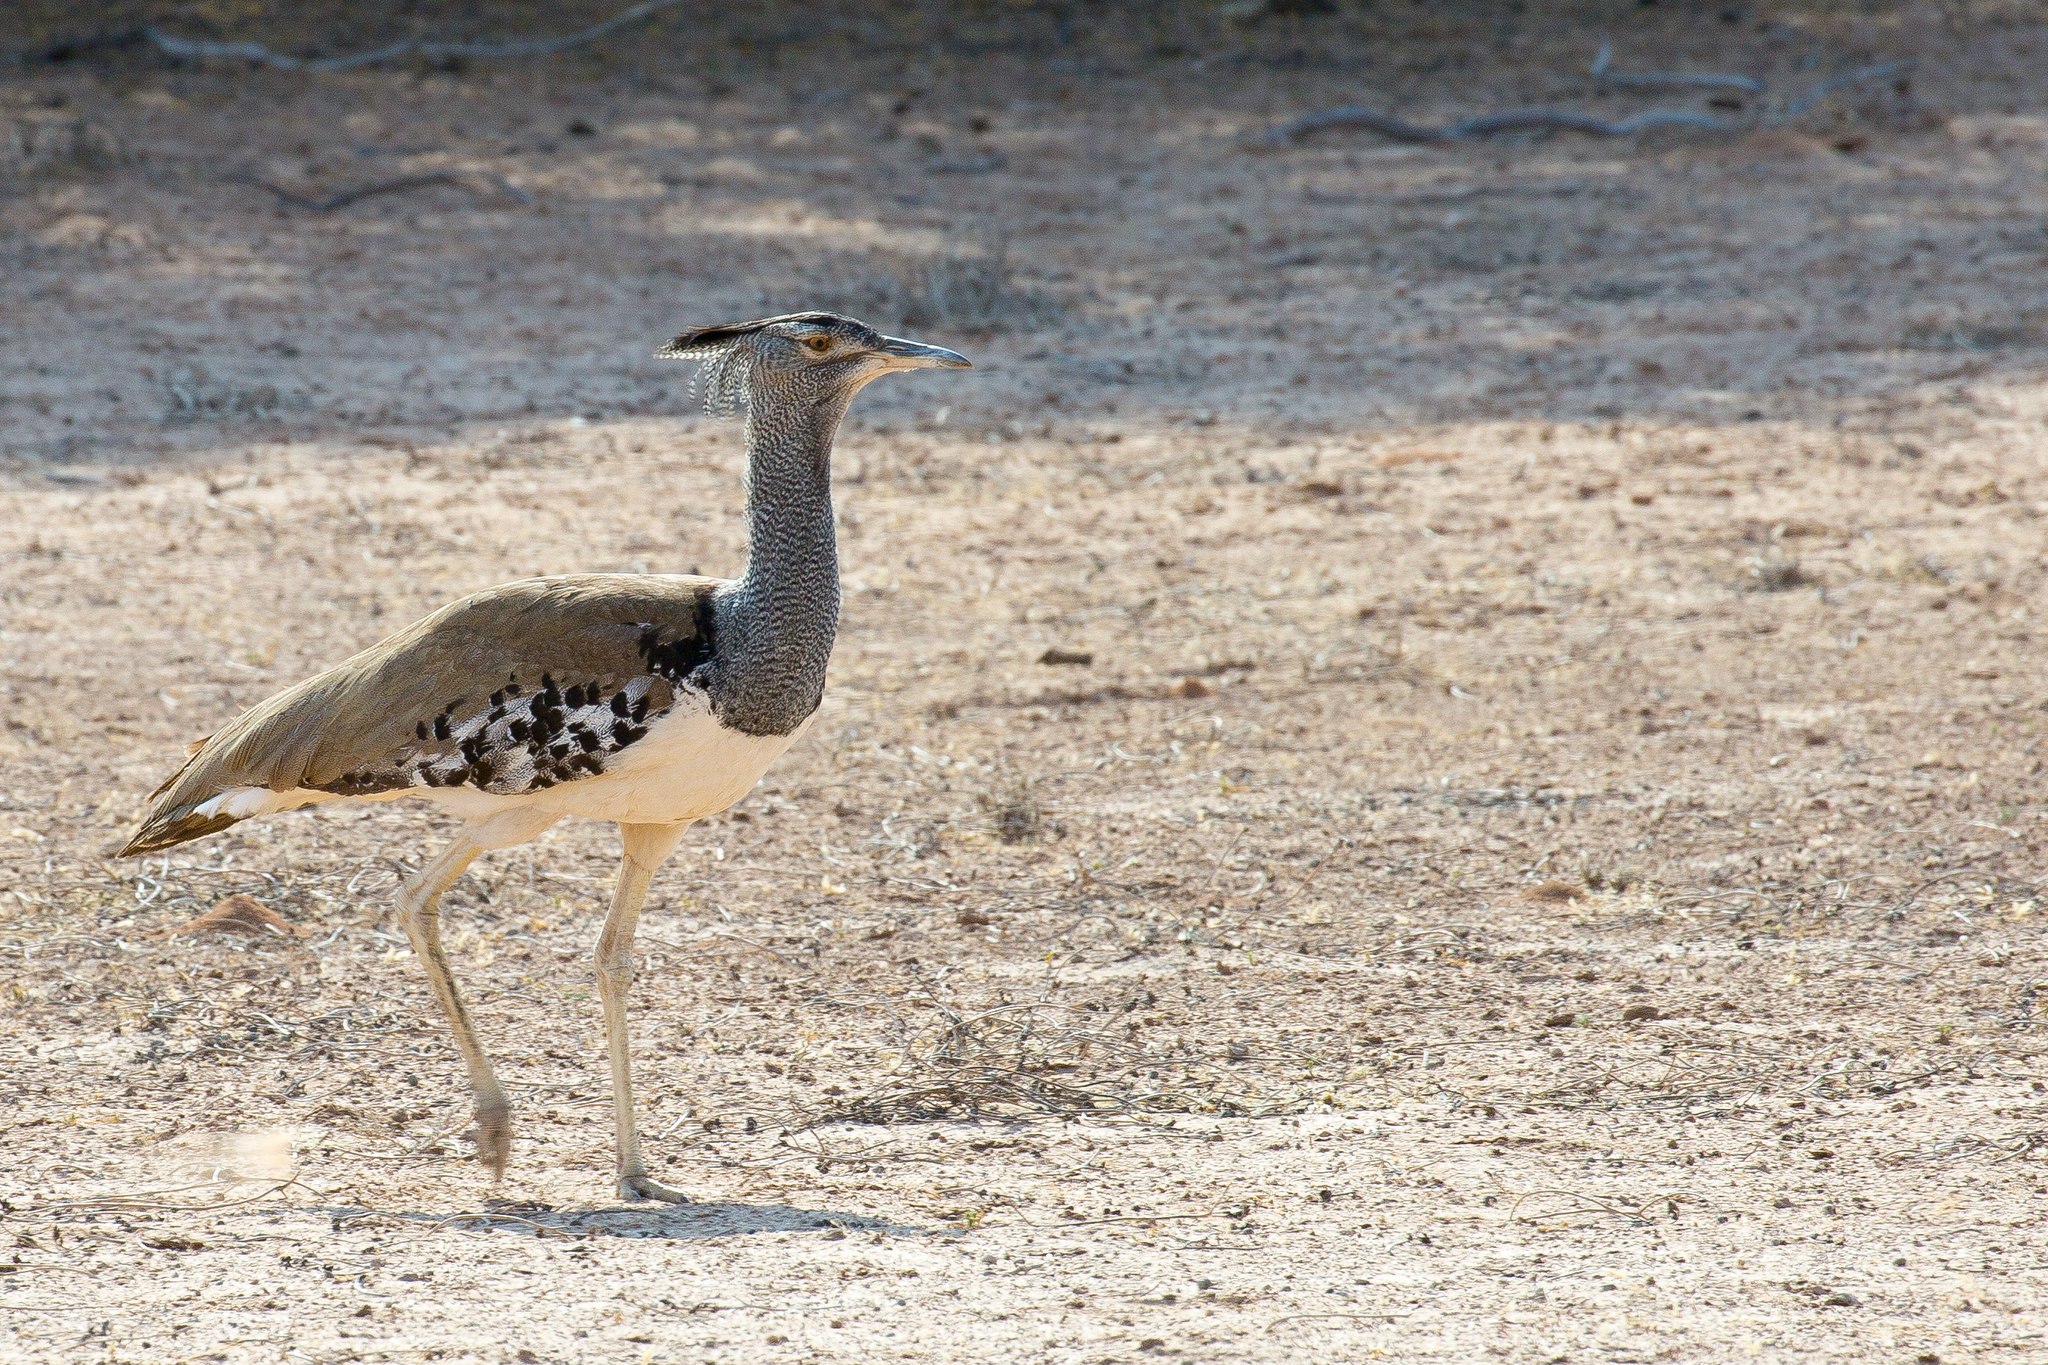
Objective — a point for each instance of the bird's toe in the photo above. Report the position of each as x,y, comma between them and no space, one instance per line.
494,1135
647,1187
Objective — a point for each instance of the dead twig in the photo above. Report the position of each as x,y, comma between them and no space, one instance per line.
1136,1218
1277,1323
1580,1204
1603,71
1309,878
1485,125
398,185
2010,1148
200,49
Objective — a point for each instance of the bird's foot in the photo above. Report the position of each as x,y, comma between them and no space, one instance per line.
644,1186
494,1135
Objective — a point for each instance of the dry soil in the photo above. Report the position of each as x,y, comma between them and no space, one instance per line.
1542,861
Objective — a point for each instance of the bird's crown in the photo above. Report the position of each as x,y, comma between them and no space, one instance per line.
798,355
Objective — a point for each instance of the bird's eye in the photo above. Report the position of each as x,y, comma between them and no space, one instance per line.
818,345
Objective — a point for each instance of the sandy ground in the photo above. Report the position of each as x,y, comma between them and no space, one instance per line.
1543,864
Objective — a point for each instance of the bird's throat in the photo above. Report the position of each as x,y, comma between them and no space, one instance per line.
776,625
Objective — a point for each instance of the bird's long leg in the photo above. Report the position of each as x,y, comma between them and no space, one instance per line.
646,846
419,910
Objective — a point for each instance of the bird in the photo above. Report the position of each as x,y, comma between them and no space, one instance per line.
647,700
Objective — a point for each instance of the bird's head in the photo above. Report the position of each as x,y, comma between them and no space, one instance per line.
800,358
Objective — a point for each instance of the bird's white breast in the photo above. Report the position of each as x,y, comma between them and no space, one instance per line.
687,766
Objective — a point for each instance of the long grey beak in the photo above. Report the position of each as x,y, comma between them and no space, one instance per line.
915,355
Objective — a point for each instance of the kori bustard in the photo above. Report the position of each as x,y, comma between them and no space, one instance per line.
650,701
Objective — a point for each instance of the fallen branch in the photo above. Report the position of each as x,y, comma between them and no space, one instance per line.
200,49
399,185
1604,72
1484,125
1550,120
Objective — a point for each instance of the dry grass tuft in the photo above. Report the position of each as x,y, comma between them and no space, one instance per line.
58,146
1774,571
1012,806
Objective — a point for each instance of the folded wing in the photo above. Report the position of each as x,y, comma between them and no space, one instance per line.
510,691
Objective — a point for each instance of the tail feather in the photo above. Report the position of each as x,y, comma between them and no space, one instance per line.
177,825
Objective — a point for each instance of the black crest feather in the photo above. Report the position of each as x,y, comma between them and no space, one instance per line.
723,356
700,343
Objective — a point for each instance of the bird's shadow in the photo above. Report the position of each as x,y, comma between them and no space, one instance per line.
673,1221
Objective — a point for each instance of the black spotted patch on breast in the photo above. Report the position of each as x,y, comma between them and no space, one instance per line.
524,737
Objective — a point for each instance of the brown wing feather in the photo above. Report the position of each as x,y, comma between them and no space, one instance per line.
413,709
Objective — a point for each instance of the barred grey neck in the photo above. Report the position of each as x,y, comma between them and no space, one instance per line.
774,627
